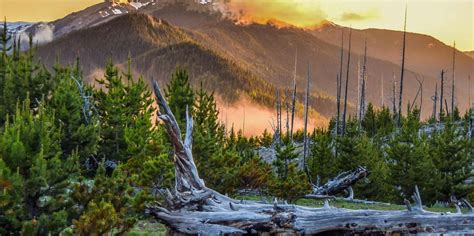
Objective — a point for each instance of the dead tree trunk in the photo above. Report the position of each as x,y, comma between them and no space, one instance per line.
293,101
471,121
306,141
364,81
344,114
287,107
192,208
454,80
340,183
394,103
400,104
339,85
441,111
435,100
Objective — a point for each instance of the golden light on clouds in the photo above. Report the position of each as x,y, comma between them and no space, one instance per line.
447,20
293,12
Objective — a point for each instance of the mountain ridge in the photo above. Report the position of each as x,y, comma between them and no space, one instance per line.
267,52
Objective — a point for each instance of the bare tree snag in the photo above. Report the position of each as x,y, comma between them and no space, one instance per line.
293,99
344,113
306,141
441,111
400,104
435,100
339,83
394,104
453,82
192,208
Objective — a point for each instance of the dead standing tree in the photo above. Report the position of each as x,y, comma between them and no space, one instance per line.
339,84
344,113
403,71
453,82
193,208
293,100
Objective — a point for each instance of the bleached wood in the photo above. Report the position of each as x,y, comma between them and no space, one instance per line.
195,209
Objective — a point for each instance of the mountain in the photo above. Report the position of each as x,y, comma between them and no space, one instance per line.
425,55
248,60
470,54
269,51
156,49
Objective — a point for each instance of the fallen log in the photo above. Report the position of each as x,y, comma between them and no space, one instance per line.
192,208
340,183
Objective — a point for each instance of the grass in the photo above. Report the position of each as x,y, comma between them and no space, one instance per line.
147,227
350,205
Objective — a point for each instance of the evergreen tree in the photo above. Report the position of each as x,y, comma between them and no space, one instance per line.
385,122
369,122
113,115
34,192
71,103
208,132
107,203
180,95
21,75
322,162
409,162
450,151
289,183
125,115
266,139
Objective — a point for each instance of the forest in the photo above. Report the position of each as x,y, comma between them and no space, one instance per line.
91,158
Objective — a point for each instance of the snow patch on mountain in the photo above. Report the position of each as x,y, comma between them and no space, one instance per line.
15,28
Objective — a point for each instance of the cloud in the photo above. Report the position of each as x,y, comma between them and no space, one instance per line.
354,16
43,33
300,13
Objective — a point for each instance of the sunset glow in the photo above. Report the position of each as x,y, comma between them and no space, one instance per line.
446,20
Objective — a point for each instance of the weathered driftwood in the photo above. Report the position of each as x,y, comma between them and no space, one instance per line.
341,182
192,208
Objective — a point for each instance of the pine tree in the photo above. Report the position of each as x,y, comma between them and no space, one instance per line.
450,151
289,183
369,121
112,111
107,203
208,132
36,176
266,139
71,103
322,162
377,185
407,154
180,95
385,122
22,75
125,114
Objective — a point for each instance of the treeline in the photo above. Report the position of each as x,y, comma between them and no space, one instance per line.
438,161
86,159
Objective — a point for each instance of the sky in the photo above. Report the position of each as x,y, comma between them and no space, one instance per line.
447,20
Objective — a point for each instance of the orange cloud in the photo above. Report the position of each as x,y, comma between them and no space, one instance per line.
277,12
354,16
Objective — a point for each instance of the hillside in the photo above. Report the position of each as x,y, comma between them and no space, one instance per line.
425,55
267,52
470,54
156,48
